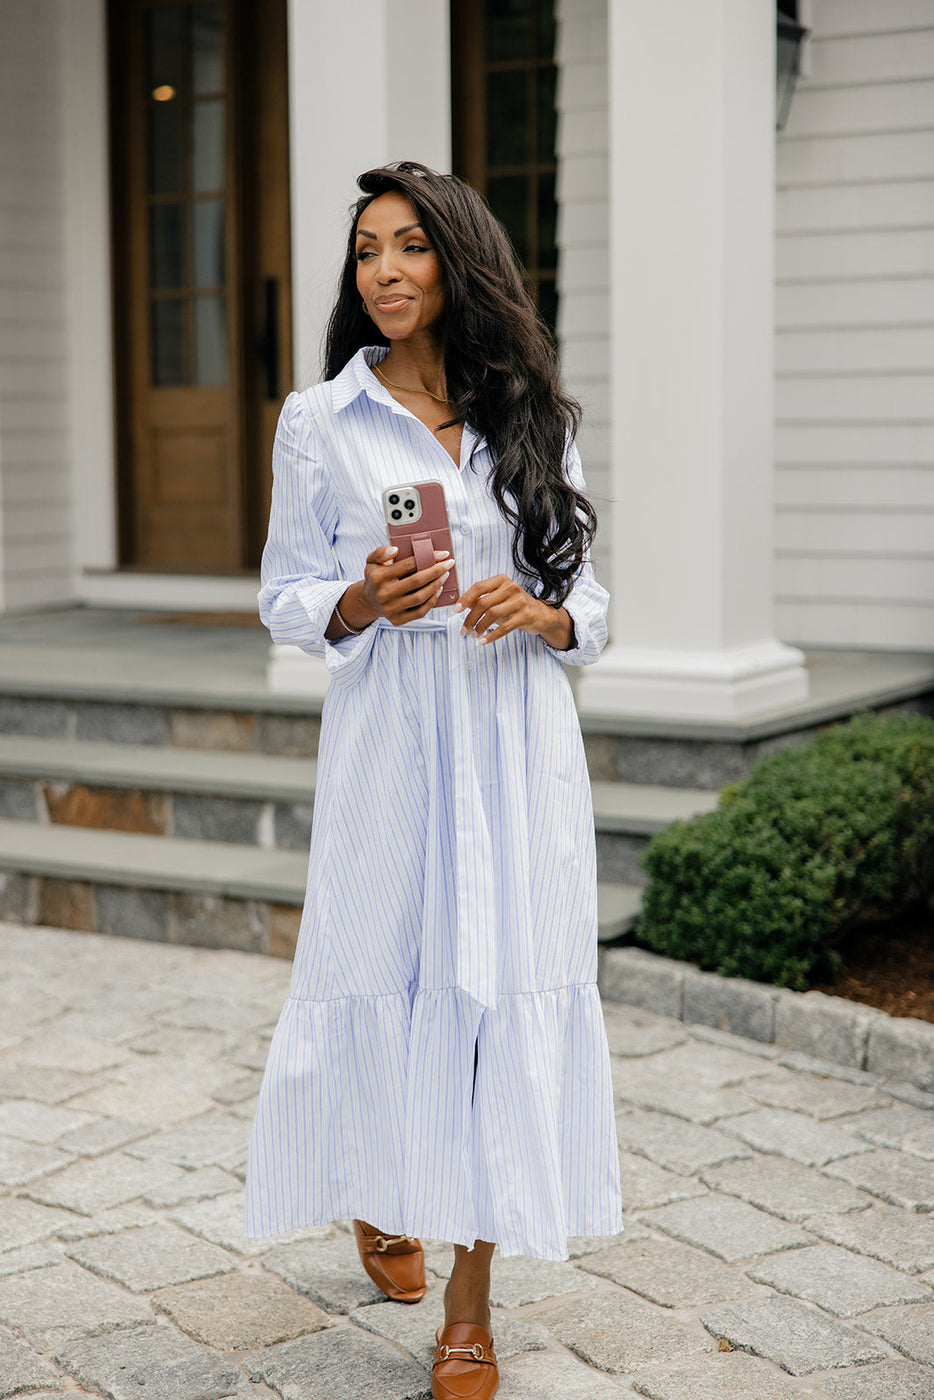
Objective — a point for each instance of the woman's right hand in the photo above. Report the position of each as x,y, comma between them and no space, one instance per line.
399,592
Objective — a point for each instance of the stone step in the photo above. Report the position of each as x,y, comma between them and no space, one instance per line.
210,893
254,798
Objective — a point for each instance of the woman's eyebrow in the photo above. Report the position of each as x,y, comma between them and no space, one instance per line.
365,232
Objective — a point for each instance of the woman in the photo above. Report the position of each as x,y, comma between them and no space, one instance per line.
440,1067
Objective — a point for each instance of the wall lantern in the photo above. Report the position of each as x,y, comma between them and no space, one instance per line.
790,41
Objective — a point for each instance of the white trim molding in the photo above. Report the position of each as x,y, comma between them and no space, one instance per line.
731,684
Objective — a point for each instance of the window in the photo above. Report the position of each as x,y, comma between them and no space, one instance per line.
503,83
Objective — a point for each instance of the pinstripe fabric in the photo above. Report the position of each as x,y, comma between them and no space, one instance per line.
451,899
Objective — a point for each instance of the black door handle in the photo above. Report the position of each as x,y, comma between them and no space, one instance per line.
268,343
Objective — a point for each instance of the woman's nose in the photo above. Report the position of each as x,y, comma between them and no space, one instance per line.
387,270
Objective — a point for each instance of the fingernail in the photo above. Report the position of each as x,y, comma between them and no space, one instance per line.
458,607
393,549
442,554
463,631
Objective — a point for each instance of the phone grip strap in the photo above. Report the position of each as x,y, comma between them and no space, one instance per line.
424,551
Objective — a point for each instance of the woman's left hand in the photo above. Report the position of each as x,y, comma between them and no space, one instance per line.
502,605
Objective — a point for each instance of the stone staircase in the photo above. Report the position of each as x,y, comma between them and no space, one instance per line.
191,825
152,785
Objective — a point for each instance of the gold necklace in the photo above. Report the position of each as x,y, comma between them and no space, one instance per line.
392,383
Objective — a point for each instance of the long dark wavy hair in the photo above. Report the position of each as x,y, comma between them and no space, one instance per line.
500,366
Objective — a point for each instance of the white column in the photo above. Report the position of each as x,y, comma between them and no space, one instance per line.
88,285
691,274
368,83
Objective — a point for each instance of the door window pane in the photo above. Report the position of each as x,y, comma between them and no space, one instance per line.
165,245
207,146
208,240
547,223
508,29
207,48
507,117
548,302
546,114
210,340
168,343
164,45
508,197
165,147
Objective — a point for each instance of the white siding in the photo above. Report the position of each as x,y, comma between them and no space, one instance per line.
583,272
35,506
855,332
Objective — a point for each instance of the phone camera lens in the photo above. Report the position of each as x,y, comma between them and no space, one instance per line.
393,500
410,505
397,514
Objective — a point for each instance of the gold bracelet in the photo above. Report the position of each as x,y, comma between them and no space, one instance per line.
351,631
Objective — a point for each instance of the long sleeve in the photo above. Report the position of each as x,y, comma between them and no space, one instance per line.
587,602
301,580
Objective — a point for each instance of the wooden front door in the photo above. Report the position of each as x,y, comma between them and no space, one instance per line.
201,262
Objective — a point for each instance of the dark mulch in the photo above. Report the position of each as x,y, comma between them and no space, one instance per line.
889,966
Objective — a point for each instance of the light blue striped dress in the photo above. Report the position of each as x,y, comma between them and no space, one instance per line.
450,917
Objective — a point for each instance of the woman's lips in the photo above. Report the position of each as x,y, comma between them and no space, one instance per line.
392,303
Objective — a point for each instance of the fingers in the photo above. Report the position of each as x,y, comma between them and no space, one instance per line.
494,603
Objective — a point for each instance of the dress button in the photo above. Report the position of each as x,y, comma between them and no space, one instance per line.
465,529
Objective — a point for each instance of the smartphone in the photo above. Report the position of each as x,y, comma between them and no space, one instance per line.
417,521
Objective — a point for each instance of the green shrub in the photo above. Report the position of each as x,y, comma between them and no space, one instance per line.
815,840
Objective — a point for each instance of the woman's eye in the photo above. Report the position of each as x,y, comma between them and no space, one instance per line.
417,248
363,253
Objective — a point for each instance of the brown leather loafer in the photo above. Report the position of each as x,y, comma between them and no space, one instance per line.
465,1364
395,1263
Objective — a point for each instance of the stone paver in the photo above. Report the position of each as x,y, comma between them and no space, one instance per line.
24,1161
727,1227
342,1363
671,1143
634,1033
151,1257
669,1274
545,1376
839,1281
95,1184
214,1139
909,1329
892,1176
731,1376
22,1222
518,1281
644,1184
888,1380
908,1129
128,1074
798,1338
618,1334
815,1095
326,1271
241,1311
36,1122
650,1084
896,1237
52,1305
151,1361
793,1135
784,1188
20,1368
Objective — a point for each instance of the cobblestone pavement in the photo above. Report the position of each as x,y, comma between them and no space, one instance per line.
780,1244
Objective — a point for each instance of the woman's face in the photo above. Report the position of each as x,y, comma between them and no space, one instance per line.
398,272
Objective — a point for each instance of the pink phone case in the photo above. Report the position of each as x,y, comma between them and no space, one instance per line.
422,530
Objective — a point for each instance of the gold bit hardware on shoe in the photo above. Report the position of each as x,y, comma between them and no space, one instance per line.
381,1243
476,1351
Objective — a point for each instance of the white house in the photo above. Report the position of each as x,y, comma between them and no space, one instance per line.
749,321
